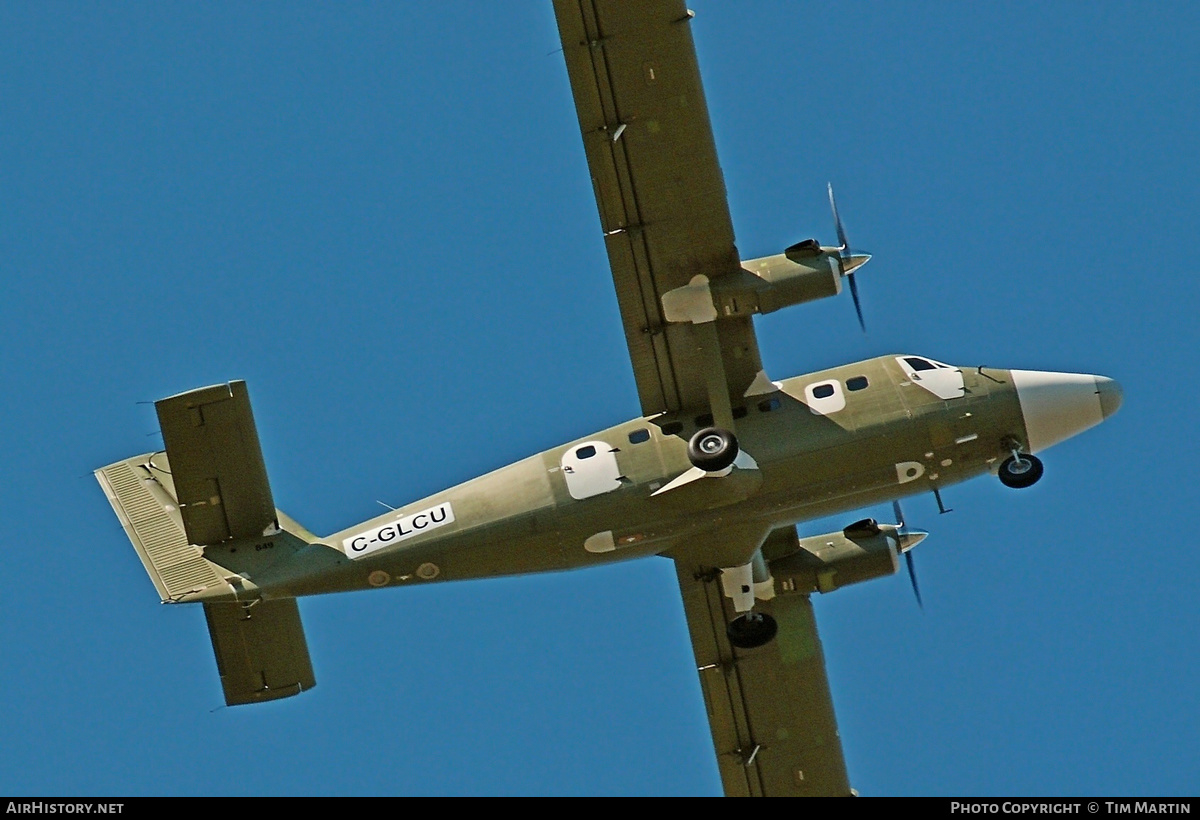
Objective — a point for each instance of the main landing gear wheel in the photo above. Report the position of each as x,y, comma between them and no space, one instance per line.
712,449
752,630
1021,470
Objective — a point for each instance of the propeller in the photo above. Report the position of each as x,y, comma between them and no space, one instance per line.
848,261
906,539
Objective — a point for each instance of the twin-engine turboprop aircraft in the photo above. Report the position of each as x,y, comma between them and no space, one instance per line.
715,473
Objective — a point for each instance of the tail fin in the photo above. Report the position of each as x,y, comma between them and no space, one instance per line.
150,515
209,489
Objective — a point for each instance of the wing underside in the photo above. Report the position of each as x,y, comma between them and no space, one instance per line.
665,219
659,191
770,708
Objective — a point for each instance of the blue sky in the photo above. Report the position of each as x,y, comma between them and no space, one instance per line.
379,215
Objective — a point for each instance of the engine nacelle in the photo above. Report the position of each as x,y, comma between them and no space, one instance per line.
805,272
775,282
837,559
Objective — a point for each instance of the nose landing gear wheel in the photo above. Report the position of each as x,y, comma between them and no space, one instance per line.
1021,470
752,630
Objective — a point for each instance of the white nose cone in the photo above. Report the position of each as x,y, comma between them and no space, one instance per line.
1057,406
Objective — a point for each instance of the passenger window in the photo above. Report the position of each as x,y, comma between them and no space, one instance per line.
585,452
672,428
739,412
857,383
638,436
825,397
705,420
769,405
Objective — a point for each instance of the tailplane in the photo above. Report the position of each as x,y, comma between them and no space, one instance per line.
209,489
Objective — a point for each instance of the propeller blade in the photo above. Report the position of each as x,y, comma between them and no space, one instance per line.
912,574
908,556
843,255
837,220
857,304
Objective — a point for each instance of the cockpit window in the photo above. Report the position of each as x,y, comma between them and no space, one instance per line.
920,364
941,380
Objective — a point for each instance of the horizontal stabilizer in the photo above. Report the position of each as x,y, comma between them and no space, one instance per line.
261,651
217,464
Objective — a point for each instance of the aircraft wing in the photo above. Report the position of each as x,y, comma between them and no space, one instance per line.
660,193
769,709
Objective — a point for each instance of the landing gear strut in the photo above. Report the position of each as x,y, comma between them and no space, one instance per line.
1021,470
752,630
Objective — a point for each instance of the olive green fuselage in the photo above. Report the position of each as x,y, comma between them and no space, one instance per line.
879,437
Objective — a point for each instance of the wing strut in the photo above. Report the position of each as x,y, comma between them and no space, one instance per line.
714,374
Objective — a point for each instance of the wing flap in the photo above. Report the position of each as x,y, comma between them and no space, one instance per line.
770,709
260,649
217,464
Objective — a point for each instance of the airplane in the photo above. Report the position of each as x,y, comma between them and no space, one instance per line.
716,473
